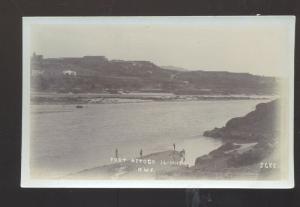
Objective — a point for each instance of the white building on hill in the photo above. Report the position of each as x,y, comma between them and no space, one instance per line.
69,72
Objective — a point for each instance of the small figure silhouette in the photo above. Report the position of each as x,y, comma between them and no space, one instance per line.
182,154
141,153
117,153
174,146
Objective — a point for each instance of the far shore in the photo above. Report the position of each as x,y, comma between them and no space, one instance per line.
104,98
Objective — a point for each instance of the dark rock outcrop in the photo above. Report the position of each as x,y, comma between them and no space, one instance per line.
232,155
257,125
247,140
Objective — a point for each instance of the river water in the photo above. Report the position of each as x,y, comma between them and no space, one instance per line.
65,139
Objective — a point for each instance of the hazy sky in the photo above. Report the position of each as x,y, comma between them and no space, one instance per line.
257,45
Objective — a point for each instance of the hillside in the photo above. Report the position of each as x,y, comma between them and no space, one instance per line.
98,74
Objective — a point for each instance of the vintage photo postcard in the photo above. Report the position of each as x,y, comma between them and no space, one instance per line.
158,102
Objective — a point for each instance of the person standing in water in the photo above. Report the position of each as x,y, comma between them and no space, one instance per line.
174,146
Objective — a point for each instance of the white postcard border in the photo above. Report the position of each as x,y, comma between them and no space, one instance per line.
27,182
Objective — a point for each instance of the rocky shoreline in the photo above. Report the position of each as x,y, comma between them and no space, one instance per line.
249,140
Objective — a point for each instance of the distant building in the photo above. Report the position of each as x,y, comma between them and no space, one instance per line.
69,72
36,61
36,58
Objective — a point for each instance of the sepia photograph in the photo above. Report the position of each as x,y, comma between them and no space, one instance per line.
158,102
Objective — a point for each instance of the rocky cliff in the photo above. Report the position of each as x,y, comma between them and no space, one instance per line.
257,125
247,140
